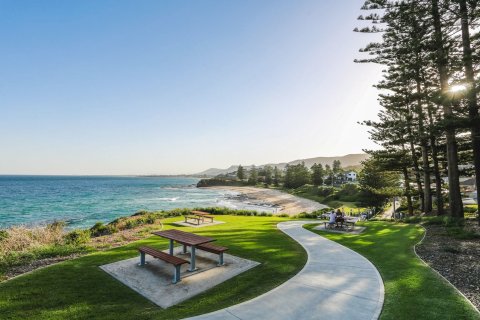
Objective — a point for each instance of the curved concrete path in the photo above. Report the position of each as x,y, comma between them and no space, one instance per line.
336,283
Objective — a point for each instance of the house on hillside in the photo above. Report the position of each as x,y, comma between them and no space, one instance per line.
351,176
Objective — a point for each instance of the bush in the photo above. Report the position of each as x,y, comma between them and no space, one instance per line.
150,219
348,190
325,191
130,224
305,215
140,213
77,237
413,219
3,234
56,225
469,209
99,229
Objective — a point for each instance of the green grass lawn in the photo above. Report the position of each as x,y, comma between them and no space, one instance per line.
412,290
79,289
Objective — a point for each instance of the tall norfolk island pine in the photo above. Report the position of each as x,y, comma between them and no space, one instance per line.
421,46
465,14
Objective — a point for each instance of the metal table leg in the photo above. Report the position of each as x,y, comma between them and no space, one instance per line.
192,259
171,247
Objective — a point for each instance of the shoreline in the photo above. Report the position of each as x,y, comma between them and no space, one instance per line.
276,201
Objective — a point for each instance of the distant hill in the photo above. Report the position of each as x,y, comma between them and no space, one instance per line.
350,161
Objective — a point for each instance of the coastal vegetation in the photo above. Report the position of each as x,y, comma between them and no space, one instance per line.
329,185
412,289
23,249
79,289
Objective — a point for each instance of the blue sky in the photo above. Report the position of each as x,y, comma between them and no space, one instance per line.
166,87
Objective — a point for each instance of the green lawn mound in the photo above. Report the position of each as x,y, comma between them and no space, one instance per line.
79,289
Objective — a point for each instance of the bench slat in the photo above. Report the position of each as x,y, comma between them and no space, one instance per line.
163,256
210,247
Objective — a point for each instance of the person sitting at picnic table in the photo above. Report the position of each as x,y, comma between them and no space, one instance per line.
333,217
339,218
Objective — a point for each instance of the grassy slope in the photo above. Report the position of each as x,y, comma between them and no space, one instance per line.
79,289
345,205
413,290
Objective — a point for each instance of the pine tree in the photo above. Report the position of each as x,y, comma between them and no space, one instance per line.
268,172
277,176
317,174
253,175
240,173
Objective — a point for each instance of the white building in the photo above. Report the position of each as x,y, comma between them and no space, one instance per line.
351,176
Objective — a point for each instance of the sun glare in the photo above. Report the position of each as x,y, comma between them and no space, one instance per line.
457,88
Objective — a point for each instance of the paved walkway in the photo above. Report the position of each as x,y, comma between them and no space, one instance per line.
336,283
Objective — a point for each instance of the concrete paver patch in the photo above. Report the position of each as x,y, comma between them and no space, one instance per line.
336,283
154,280
194,225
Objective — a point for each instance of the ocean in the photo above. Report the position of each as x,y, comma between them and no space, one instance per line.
82,201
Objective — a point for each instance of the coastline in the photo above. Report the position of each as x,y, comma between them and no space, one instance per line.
275,201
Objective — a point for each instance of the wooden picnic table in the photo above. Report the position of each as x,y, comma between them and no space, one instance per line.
186,239
203,215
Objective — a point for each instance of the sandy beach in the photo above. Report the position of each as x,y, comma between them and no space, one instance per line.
283,202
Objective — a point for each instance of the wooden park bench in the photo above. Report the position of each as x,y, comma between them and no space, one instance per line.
203,215
193,217
212,248
176,261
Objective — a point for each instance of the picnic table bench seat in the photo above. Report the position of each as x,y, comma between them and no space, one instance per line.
346,223
175,261
193,217
213,248
352,222
203,215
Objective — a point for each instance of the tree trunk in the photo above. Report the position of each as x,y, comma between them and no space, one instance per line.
455,197
438,177
408,193
427,191
436,167
471,93
416,167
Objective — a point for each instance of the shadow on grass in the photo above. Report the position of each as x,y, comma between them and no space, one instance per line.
80,289
412,289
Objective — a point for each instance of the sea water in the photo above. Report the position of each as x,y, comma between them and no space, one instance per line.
83,201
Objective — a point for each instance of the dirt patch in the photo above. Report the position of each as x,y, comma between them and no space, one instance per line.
36,264
457,260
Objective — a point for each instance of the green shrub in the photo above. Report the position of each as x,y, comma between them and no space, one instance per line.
413,219
305,215
56,225
130,224
470,209
3,234
325,191
77,237
150,219
141,213
99,229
